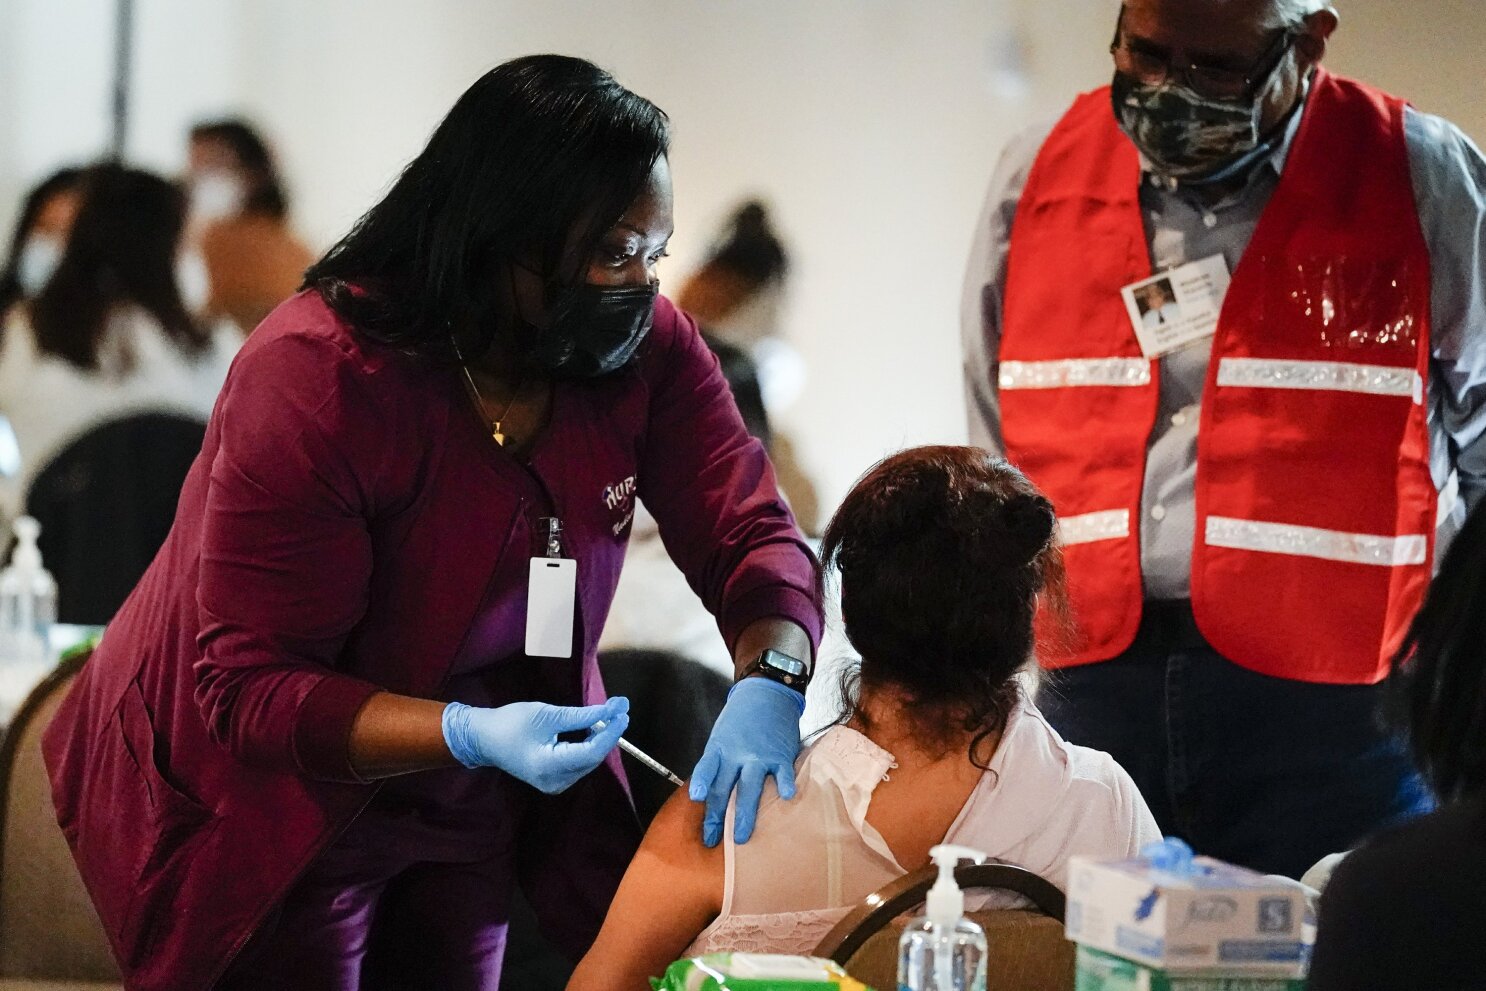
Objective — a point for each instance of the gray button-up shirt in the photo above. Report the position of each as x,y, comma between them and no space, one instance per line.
1449,177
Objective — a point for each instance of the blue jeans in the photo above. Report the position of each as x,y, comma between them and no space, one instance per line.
1265,772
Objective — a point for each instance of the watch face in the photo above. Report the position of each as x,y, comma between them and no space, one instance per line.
783,662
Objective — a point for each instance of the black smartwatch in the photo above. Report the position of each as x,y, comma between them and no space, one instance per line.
776,665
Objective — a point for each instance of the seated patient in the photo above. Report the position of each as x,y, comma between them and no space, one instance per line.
943,553
1407,909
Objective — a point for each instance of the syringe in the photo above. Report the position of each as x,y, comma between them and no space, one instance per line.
645,758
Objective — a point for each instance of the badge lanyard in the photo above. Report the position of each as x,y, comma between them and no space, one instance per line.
551,593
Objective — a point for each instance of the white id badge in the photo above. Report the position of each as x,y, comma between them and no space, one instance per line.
550,594
1177,307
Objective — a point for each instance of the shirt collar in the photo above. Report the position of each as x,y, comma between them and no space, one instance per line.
1281,153
1030,773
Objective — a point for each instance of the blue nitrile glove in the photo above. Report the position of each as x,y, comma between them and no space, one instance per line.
1173,856
521,739
757,734
1170,854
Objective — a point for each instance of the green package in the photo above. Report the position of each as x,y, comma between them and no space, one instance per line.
755,972
1099,971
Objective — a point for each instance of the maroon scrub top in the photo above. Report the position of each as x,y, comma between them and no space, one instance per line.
337,536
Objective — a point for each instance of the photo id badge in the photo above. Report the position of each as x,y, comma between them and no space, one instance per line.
1177,307
550,594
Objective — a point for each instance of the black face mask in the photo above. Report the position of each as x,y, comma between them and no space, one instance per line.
595,330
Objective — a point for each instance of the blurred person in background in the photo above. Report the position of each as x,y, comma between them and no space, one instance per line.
240,217
737,295
116,329
1408,908
36,246
40,237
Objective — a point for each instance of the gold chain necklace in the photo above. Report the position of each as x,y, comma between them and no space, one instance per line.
496,433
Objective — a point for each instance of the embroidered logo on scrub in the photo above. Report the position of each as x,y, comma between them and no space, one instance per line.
619,497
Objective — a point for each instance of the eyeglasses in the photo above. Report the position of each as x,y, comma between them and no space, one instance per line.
1151,69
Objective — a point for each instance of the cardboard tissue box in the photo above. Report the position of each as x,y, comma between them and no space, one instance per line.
1099,971
1189,915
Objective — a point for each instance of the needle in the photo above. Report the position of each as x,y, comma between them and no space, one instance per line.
645,758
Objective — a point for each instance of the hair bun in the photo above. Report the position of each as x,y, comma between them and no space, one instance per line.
1027,522
751,217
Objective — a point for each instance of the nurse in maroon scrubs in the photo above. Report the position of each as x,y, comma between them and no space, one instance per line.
353,702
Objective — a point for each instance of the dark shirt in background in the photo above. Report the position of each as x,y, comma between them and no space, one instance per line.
1407,910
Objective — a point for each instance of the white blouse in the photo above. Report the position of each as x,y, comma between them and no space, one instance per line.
814,858
50,402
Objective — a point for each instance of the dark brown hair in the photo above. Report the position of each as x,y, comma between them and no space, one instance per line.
942,553
266,196
122,250
1437,691
59,182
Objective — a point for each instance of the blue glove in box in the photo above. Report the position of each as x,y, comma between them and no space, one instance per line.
1182,914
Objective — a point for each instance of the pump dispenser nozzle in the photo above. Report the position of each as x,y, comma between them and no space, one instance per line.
943,950
26,553
28,599
946,902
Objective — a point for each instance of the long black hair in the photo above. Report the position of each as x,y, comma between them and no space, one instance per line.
122,251
61,181
1438,686
265,193
538,149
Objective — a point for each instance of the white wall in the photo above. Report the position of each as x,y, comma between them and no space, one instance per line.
56,83
870,125
55,63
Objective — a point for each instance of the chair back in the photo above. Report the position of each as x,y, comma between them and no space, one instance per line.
1027,948
106,503
48,927
673,703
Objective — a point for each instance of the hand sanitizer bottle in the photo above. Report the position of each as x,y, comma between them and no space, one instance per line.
28,600
943,950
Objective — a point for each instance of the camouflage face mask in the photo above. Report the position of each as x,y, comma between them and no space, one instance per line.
1184,135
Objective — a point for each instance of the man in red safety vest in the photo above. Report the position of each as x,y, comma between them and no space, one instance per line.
1248,477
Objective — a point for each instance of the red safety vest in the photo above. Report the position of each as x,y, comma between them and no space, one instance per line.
1315,506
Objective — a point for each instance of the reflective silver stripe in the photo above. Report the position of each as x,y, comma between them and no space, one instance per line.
1306,541
1334,376
1074,371
1108,524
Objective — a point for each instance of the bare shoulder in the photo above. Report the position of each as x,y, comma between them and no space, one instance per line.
675,839
671,892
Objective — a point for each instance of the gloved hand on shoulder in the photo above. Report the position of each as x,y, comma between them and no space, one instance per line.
757,734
